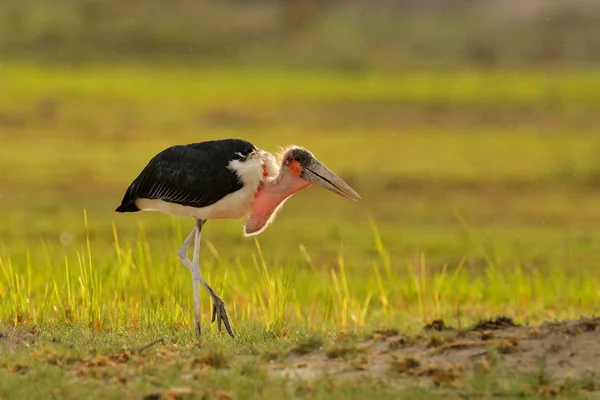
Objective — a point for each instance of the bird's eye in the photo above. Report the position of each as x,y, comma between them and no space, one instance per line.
297,157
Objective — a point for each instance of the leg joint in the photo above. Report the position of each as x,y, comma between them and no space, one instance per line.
196,275
182,253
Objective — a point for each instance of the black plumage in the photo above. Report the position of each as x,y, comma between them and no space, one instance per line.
193,175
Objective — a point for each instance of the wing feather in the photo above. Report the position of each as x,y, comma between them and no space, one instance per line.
195,175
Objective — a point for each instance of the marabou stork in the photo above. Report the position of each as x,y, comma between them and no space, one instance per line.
224,179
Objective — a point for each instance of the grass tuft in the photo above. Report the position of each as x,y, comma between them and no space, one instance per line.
405,364
308,345
213,356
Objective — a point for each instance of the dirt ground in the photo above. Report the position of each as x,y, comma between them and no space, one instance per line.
550,359
443,355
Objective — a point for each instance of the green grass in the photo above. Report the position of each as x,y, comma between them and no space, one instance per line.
480,197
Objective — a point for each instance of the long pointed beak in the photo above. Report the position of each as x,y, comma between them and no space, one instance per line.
319,174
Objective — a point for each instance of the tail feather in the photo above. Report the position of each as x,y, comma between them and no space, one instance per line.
128,206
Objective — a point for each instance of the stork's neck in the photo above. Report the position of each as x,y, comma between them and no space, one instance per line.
270,196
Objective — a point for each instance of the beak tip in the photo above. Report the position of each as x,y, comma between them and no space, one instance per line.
354,197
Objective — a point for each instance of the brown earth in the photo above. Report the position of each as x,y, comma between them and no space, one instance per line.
442,355
551,355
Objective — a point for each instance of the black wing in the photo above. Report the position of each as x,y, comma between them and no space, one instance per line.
193,175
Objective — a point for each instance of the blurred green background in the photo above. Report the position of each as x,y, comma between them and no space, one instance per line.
299,34
470,128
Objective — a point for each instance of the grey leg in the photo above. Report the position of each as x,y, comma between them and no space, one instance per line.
196,277
182,252
194,267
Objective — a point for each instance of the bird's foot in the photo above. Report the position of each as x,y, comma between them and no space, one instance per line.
220,314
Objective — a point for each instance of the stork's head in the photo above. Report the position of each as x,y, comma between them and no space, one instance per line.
299,170
302,164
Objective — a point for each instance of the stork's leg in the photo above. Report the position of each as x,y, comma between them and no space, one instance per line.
219,311
194,266
182,252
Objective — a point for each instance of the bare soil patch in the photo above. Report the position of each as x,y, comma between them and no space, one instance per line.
442,355
12,339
